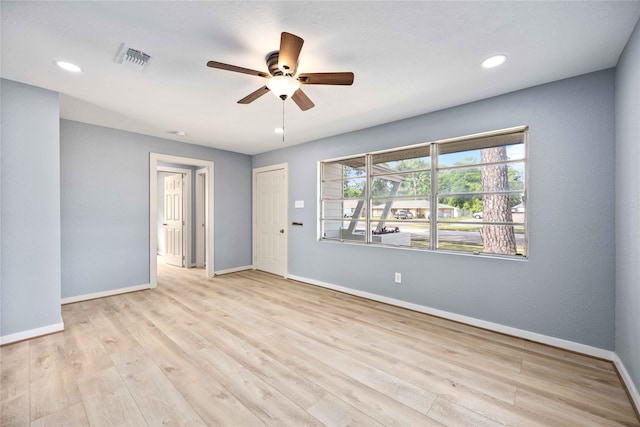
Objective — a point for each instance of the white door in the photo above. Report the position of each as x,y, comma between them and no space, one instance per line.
271,221
173,222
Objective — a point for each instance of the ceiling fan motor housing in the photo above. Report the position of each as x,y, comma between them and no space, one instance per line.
272,64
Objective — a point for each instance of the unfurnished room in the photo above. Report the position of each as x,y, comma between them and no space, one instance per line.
284,213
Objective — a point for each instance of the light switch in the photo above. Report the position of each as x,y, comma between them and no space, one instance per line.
299,204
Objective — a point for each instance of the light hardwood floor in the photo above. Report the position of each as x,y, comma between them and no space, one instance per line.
249,349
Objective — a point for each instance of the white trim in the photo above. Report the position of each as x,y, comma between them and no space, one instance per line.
233,270
628,381
256,171
520,333
32,333
86,297
201,213
498,132
186,210
154,158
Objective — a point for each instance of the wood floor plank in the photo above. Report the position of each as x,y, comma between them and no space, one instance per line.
14,384
250,348
397,389
455,328
52,381
393,387
451,414
14,412
464,345
491,408
333,411
267,403
184,332
108,325
71,416
107,400
157,399
306,357
14,371
167,355
555,412
248,353
85,351
216,405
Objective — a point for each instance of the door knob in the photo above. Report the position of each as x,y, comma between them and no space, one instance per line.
282,230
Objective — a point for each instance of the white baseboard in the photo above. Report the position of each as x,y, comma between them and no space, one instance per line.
103,294
32,333
232,270
532,336
626,378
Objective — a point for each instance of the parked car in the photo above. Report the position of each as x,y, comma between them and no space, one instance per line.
477,215
403,214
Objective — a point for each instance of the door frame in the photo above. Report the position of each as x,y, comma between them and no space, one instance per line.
154,159
201,214
186,210
256,171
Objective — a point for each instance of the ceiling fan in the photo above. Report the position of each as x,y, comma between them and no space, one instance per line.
281,79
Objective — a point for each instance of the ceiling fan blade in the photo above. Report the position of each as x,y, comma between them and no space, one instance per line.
290,46
222,66
254,95
302,100
326,78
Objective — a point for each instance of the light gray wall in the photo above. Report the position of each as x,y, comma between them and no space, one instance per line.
105,206
566,288
30,208
628,207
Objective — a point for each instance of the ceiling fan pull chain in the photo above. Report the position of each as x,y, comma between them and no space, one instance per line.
283,120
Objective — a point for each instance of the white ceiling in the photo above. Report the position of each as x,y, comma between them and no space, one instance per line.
409,58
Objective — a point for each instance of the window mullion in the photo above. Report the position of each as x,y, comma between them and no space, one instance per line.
433,201
367,197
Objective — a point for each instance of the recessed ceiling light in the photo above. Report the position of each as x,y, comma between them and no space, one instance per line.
278,130
180,133
494,61
68,66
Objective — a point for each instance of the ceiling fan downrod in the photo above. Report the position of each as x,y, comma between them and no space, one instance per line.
283,120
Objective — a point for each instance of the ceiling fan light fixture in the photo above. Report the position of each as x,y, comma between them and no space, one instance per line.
283,86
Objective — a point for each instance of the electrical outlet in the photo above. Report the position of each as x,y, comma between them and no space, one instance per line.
398,278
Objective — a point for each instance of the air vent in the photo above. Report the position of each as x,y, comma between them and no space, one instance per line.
132,57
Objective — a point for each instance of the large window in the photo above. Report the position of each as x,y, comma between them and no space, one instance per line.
465,194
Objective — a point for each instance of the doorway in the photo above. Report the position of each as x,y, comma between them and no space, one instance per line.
205,167
270,201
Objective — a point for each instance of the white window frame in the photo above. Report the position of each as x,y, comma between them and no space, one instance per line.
433,148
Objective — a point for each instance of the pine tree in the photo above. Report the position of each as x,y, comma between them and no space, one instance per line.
498,239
